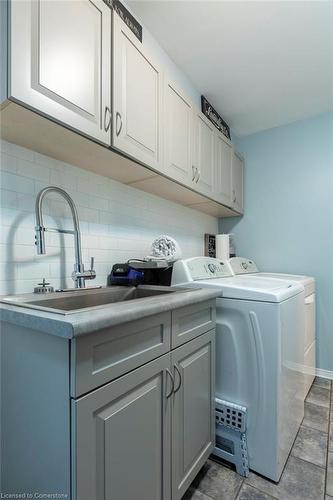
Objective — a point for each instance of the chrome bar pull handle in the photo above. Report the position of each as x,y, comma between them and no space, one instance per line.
107,122
168,394
176,389
118,117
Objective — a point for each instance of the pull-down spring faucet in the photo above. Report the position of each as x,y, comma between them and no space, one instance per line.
79,275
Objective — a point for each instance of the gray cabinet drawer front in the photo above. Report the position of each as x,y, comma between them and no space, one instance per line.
105,355
191,321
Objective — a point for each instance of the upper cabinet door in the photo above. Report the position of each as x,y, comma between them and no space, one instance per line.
203,164
178,124
238,182
193,414
222,170
61,62
137,98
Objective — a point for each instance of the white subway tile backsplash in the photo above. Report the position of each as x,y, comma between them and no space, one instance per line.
66,180
117,221
97,203
45,161
30,270
17,151
8,163
16,183
33,170
25,202
8,199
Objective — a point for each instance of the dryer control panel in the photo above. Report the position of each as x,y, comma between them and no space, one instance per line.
199,268
242,265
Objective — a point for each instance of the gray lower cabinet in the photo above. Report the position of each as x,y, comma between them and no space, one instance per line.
122,413
122,437
193,415
147,434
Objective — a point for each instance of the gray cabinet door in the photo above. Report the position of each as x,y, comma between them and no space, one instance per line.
121,437
193,419
61,62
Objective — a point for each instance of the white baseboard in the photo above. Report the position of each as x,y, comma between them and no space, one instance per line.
324,373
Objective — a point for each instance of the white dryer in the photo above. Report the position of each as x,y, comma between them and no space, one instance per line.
244,266
259,327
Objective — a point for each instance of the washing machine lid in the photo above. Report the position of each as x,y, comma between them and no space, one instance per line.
307,281
254,288
209,272
244,266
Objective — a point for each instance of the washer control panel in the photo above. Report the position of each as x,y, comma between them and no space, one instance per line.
201,268
242,265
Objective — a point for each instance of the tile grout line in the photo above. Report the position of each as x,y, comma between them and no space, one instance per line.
328,439
239,489
307,462
258,489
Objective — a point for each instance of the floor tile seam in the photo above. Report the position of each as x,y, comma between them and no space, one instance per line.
307,402
322,386
290,452
313,428
319,405
262,491
240,487
206,495
322,467
328,440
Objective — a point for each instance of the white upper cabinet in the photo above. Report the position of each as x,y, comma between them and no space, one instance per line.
178,127
203,163
137,98
222,170
238,182
61,62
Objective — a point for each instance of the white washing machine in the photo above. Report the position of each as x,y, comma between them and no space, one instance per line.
244,266
259,327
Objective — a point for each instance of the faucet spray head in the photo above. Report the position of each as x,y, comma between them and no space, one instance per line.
40,240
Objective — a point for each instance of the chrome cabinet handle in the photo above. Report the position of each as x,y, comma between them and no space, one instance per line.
198,176
118,130
107,123
234,199
176,389
194,172
172,383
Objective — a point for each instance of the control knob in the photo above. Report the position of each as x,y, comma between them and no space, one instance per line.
212,268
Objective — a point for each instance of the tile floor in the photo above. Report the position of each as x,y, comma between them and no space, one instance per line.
308,474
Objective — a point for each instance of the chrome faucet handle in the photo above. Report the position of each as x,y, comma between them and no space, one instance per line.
91,273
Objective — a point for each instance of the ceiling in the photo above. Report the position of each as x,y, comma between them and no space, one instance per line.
260,64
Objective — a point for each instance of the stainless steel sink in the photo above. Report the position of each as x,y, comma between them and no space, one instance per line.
83,299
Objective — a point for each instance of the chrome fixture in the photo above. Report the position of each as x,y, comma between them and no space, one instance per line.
79,275
43,287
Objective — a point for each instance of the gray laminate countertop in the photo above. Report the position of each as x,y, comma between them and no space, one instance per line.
84,321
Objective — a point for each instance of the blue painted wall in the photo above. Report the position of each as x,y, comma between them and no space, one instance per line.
288,221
